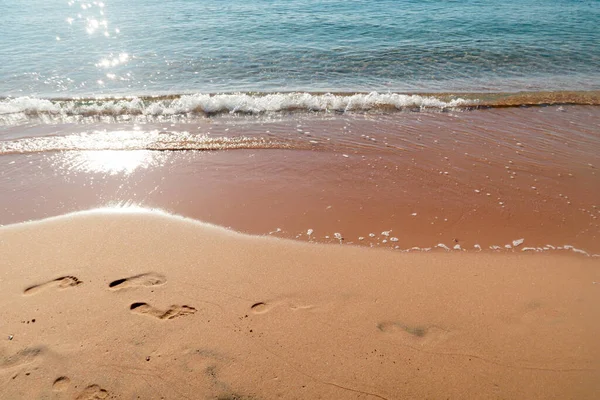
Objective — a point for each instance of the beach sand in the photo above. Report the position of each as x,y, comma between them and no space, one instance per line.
137,304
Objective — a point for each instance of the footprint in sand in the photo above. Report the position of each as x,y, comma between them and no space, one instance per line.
149,279
170,313
62,283
295,307
263,307
537,312
422,335
61,384
260,307
92,392
22,357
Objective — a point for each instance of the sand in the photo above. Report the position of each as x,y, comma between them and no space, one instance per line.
137,304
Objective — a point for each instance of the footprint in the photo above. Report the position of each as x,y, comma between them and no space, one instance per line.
92,392
62,283
422,335
149,279
22,357
171,313
536,312
260,307
295,307
418,331
61,384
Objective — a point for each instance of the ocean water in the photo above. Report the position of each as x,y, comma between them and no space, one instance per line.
69,48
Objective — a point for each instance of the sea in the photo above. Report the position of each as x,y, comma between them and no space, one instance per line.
178,56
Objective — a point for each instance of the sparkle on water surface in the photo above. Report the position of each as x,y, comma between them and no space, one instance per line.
67,48
110,162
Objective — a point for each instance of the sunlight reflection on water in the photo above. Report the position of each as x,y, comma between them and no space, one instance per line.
111,162
91,18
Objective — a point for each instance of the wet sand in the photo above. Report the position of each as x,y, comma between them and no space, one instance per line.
127,305
482,177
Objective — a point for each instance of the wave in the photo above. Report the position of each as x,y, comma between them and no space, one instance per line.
141,140
187,106
213,104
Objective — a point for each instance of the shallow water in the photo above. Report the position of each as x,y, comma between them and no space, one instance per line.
485,177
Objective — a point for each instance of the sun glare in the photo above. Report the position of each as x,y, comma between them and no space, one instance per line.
110,162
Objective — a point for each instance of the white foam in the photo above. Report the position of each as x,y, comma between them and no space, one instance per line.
518,242
23,107
585,253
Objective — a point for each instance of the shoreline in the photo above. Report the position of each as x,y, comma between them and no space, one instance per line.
515,247
485,178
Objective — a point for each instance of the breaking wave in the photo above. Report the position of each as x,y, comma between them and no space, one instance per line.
21,109
189,106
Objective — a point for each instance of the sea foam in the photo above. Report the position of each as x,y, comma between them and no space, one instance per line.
16,110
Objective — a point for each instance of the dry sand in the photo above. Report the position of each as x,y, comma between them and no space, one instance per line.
145,305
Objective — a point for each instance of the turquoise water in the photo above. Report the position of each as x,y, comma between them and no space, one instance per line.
146,47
